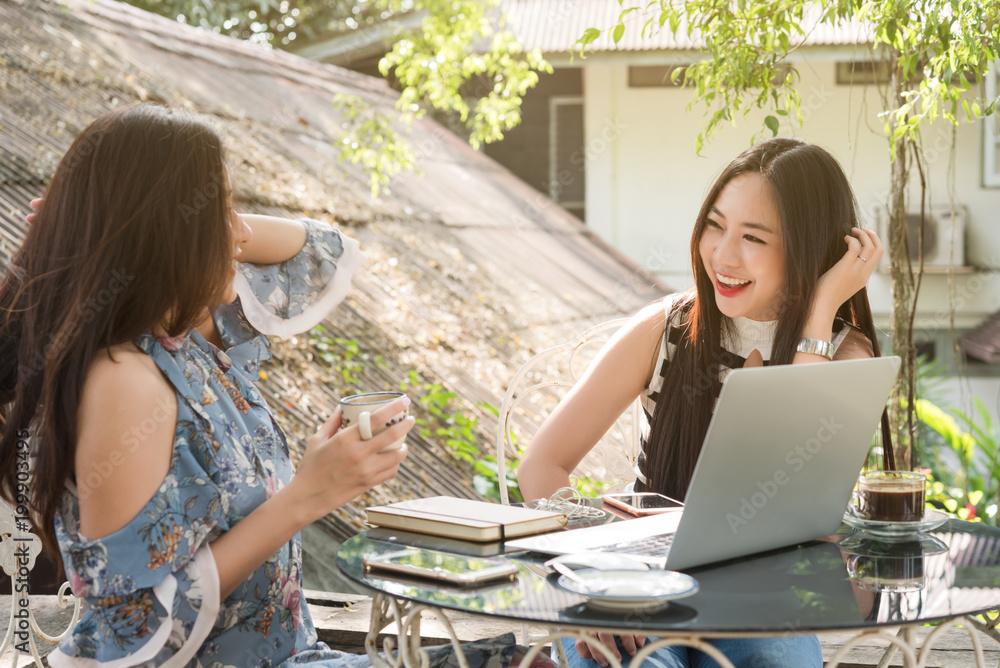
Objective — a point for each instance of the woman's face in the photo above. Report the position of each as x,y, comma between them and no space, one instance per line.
241,234
742,249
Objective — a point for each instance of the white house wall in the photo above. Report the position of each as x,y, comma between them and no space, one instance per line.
645,183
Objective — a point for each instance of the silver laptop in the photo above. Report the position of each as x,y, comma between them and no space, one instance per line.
781,456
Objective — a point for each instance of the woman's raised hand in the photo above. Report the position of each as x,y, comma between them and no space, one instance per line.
852,271
35,203
338,465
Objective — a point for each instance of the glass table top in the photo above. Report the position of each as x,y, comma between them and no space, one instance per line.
848,580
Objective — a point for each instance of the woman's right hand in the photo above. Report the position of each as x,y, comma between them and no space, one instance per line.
630,643
338,465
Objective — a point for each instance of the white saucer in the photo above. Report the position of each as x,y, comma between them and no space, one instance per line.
932,520
622,591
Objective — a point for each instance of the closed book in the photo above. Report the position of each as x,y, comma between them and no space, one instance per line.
465,519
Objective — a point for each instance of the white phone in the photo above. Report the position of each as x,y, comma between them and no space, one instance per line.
643,503
442,566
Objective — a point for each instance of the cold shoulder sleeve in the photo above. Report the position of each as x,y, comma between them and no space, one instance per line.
152,588
293,296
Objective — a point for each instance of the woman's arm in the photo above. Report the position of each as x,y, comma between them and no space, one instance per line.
125,426
336,467
615,378
128,420
274,239
840,283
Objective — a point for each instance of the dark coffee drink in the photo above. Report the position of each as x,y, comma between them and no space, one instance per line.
895,566
887,573
891,496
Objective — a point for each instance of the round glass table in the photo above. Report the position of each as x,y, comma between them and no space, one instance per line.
852,580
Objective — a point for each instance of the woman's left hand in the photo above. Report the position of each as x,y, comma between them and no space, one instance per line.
851,273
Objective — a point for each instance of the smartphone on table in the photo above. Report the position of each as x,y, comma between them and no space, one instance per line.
643,503
455,569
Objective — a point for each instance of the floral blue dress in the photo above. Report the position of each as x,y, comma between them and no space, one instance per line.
152,588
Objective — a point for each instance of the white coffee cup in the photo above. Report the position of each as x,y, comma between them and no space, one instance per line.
358,409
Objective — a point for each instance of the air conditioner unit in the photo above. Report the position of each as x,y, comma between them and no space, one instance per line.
944,235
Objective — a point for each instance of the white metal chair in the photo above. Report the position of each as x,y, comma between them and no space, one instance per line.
536,389
18,549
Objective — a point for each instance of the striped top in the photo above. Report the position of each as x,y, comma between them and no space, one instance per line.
746,335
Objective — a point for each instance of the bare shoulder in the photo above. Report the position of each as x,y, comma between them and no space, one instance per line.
630,354
125,429
649,323
125,381
854,346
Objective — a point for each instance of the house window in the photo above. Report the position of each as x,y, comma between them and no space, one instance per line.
863,73
991,133
654,76
567,157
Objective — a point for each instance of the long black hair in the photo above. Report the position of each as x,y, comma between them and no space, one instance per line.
132,234
817,209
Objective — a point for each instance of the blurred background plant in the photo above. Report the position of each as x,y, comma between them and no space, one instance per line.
345,356
960,450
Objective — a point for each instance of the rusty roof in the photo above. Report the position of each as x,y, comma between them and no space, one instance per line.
469,272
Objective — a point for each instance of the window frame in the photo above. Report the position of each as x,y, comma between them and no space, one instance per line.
991,133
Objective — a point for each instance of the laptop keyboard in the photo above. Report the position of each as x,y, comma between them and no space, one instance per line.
650,546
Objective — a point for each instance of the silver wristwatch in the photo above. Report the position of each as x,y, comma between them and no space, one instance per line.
816,347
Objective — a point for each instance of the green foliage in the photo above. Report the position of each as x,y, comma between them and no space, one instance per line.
344,356
973,489
746,45
455,428
368,137
939,46
434,63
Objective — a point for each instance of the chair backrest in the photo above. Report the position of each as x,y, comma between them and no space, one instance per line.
536,389
18,549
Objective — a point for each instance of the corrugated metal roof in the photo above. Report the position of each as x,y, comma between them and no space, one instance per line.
983,341
470,271
553,26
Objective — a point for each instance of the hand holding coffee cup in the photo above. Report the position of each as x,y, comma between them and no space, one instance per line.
890,496
358,408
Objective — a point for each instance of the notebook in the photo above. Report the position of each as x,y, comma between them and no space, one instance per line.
777,467
464,519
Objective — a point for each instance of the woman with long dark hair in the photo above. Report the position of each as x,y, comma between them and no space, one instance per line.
780,266
132,327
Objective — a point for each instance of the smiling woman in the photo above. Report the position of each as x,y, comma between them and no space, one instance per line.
780,269
743,248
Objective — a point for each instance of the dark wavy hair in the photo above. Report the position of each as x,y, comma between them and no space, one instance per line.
817,209
132,234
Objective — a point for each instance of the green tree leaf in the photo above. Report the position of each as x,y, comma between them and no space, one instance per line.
772,124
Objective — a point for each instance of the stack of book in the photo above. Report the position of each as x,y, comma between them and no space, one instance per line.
465,519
